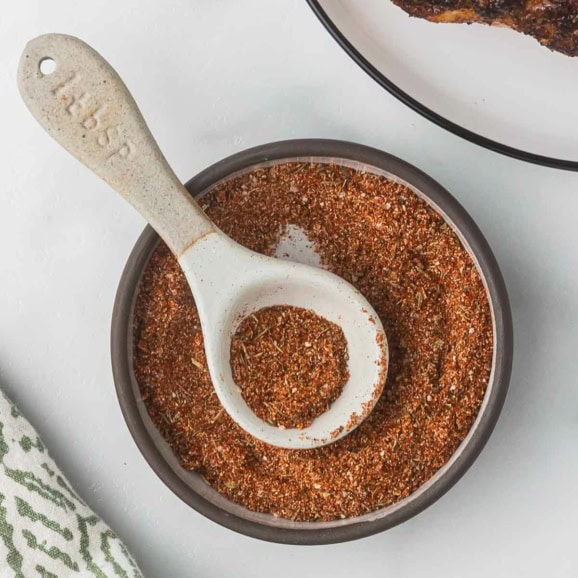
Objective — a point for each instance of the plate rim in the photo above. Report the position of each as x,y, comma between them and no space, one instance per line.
425,111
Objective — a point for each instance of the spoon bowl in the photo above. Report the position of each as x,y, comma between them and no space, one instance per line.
225,296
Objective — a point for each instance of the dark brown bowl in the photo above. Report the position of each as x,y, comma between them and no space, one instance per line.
190,486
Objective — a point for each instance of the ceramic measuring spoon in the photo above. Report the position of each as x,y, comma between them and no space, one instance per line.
83,104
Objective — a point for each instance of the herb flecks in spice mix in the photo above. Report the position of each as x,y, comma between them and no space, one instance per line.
290,364
409,264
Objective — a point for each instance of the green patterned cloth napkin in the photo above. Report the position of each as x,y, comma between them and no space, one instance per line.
46,530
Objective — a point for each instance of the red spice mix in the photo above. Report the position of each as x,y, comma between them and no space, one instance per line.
290,364
411,267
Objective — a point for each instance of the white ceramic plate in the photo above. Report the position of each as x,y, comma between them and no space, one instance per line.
491,85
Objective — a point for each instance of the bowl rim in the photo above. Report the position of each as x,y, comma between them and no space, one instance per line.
489,412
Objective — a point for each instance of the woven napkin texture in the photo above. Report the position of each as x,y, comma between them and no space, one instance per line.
46,530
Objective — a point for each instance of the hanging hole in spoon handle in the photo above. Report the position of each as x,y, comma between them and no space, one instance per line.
46,66
83,104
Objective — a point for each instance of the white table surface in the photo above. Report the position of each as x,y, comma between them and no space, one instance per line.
213,78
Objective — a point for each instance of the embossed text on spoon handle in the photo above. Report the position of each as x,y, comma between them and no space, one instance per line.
86,107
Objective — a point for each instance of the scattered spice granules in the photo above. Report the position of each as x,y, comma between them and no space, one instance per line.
409,264
289,363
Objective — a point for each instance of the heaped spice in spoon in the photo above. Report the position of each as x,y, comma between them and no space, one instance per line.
410,265
290,364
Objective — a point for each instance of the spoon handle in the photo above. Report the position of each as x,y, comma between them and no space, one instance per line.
85,106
